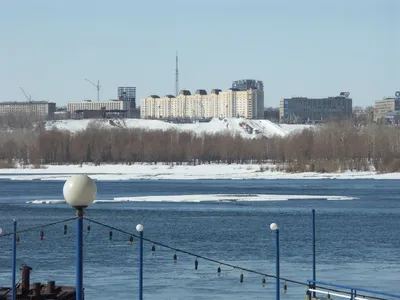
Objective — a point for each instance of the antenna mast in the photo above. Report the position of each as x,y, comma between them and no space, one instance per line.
98,86
176,76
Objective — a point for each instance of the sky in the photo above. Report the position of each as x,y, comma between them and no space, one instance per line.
310,48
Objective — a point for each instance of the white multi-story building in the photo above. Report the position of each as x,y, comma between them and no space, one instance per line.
41,109
72,107
384,106
232,103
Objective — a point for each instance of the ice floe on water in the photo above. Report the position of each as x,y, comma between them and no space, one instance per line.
208,198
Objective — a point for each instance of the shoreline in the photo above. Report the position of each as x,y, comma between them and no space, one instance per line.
113,172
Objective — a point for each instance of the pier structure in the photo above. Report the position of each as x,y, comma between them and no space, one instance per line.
26,290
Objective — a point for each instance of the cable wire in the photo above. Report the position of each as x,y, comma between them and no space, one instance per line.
221,263
37,227
196,255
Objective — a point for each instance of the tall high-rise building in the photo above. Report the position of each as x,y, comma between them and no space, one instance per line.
128,94
245,84
232,103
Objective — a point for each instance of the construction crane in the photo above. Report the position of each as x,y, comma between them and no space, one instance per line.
97,86
29,98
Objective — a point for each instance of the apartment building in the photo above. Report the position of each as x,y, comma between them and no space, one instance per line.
384,106
302,109
40,109
90,109
232,103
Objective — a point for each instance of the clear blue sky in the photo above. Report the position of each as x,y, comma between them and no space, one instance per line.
298,48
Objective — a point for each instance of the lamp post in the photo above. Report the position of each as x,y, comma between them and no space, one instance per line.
14,261
314,256
139,228
274,227
79,192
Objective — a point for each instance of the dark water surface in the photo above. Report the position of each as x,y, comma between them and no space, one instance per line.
357,241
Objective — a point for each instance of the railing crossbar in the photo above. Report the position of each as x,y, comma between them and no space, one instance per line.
353,288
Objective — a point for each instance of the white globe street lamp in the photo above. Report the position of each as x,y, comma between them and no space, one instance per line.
79,192
273,226
139,227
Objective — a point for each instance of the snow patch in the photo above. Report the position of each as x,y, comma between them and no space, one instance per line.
177,172
233,126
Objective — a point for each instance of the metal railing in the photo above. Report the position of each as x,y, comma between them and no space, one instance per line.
352,293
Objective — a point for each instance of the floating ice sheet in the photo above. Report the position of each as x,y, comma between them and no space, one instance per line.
208,198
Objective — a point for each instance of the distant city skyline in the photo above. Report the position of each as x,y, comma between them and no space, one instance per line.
297,48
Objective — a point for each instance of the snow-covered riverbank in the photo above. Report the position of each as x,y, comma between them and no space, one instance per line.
149,172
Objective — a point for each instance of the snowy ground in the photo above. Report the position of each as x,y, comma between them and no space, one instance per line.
253,128
154,172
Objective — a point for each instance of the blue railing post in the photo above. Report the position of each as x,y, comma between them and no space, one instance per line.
314,255
274,227
14,261
141,267
79,255
277,266
139,228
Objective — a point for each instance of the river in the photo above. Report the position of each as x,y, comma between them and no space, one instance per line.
357,240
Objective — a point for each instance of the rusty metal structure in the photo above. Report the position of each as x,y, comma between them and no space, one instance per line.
37,290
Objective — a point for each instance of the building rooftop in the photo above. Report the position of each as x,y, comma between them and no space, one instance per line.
246,80
90,101
185,92
25,102
388,99
306,98
200,92
215,91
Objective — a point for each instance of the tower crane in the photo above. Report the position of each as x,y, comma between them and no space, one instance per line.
97,86
29,98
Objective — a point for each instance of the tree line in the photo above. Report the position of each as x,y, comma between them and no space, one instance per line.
328,148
